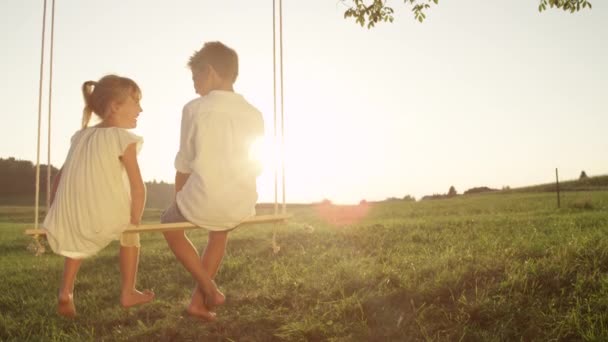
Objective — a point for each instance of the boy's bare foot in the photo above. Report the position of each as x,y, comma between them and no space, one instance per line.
200,311
135,297
65,306
217,299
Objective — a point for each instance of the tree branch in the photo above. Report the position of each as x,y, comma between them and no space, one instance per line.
378,11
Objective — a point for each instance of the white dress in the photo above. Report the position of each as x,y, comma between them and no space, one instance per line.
92,205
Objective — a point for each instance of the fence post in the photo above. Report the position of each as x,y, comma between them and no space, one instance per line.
557,187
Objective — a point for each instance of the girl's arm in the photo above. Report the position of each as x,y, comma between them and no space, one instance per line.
138,188
54,186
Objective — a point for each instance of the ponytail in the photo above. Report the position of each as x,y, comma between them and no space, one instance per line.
98,96
87,112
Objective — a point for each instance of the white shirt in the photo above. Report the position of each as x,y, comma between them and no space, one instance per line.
92,205
216,135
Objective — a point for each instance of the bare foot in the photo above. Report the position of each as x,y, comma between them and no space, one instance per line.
65,306
216,299
200,311
135,297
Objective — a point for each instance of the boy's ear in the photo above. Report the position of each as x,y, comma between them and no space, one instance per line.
198,71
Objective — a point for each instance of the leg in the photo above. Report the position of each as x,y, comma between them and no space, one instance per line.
129,260
211,260
65,305
186,253
214,252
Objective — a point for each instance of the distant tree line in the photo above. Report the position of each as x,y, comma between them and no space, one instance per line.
583,183
159,195
453,193
406,198
18,184
479,190
18,177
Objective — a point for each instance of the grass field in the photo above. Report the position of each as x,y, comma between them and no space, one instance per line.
493,267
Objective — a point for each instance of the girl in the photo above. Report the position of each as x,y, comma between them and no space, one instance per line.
99,191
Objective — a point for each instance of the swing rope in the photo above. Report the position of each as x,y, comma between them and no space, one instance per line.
37,196
275,247
48,164
281,96
37,247
274,97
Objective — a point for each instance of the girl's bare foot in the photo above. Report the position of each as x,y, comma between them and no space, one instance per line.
134,297
200,311
65,306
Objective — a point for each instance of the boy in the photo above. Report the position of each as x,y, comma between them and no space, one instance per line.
215,180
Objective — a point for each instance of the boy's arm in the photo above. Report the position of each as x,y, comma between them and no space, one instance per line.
180,180
138,188
54,186
186,152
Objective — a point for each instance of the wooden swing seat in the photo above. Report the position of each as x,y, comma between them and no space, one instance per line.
165,227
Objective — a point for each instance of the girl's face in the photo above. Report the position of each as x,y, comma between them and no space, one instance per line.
126,112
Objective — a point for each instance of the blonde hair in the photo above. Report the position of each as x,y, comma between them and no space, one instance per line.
99,95
223,59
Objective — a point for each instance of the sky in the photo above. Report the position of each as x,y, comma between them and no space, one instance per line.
488,93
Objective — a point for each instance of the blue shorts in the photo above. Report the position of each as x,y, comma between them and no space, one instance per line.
172,214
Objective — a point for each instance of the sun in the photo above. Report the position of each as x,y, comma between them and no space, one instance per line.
265,152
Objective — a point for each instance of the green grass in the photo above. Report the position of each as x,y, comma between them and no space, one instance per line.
493,267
